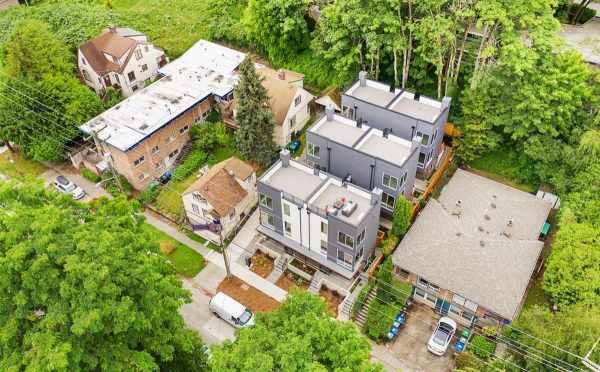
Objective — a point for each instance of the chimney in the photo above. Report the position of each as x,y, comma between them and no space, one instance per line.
281,74
376,195
417,96
446,102
285,157
359,123
386,132
362,77
392,88
329,111
316,170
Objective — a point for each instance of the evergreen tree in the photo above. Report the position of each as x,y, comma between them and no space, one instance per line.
254,138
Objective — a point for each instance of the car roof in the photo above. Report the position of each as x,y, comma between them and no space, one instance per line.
62,179
448,321
235,308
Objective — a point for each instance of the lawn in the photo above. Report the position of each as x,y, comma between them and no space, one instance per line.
13,165
185,260
503,167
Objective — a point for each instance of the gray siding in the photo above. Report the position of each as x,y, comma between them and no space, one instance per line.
276,211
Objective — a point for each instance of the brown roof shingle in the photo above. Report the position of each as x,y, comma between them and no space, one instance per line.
281,91
110,43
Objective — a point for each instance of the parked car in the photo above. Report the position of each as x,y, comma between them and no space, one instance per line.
442,335
231,311
62,184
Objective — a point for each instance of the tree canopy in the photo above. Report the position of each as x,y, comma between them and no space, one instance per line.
83,289
254,138
299,336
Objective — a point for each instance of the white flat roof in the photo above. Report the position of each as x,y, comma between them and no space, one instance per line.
373,92
340,129
392,149
193,77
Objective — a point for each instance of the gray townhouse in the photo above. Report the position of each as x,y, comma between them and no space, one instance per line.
407,115
318,217
365,156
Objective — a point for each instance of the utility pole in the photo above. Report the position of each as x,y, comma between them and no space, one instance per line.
588,363
107,157
225,258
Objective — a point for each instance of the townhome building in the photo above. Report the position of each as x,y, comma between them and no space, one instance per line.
121,58
407,115
365,156
145,134
221,198
317,216
471,252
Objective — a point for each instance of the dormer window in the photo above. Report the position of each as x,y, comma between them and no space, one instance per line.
138,54
297,100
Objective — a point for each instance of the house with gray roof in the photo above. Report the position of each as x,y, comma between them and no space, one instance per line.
365,156
476,263
408,115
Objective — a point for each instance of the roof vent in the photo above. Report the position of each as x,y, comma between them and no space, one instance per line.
482,243
143,127
359,123
392,89
457,208
458,234
480,228
486,217
493,205
510,222
417,96
349,208
386,132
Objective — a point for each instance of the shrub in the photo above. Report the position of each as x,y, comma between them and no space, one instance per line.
149,195
389,245
466,360
482,347
90,176
192,163
111,185
379,320
490,331
362,296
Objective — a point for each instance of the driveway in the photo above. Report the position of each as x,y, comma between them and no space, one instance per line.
90,188
411,344
196,314
585,39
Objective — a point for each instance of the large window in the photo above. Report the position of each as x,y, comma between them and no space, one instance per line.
346,240
466,315
425,139
155,150
314,151
131,76
288,228
425,296
86,75
195,208
267,219
286,209
388,201
323,247
426,284
323,227
297,100
421,158
390,181
344,258
138,161
173,153
361,237
403,179
265,201
138,54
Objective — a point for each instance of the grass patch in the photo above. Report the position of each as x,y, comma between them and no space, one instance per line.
201,240
536,295
504,167
185,260
222,153
169,200
14,165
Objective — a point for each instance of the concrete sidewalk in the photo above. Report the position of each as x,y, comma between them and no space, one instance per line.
216,258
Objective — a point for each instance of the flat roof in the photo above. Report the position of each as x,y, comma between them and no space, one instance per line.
333,191
393,149
297,180
188,80
340,129
416,109
471,248
373,95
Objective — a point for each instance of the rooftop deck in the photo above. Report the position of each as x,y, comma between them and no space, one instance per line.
332,192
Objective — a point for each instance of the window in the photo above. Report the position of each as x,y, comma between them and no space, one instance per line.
314,151
86,75
83,61
293,121
173,153
348,112
346,240
323,227
297,100
134,88
344,258
144,67
458,299
421,158
403,179
425,139
195,208
323,246
288,228
155,150
232,213
388,201
184,129
138,54
361,237
138,161
466,315
267,219
286,209
131,76
424,283
143,176
265,201
170,139
159,164
360,253
390,181
425,296
198,198
434,135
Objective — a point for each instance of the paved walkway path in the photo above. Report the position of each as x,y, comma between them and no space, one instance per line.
216,258
584,38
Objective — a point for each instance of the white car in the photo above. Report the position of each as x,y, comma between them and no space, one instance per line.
441,337
231,311
62,184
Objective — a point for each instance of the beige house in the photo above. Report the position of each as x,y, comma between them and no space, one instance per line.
121,58
220,199
144,135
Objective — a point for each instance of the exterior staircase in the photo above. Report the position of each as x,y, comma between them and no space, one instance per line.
361,317
183,153
280,266
315,283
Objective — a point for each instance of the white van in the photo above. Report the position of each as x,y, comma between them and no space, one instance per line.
231,311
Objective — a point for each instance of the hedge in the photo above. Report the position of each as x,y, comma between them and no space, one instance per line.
191,164
482,347
90,176
379,319
149,195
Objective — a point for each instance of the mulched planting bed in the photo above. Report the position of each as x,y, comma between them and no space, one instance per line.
261,264
289,280
247,295
332,297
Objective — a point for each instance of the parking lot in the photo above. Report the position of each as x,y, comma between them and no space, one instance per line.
411,344
90,188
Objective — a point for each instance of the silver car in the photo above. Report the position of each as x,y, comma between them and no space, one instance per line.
441,337
62,184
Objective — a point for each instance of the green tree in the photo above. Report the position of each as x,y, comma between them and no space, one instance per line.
254,138
299,336
402,216
83,289
278,27
41,101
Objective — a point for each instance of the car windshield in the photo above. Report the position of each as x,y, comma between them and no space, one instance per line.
245,317
441,335
70,187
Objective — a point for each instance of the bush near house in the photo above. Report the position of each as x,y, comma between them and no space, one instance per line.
191,164
149,195
362,296
90,176
379,319
482,347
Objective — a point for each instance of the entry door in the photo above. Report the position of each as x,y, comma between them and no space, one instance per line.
442,306
107,80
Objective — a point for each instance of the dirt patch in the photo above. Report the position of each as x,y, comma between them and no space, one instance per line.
247,295
261,264
166,247
289,280
332,297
